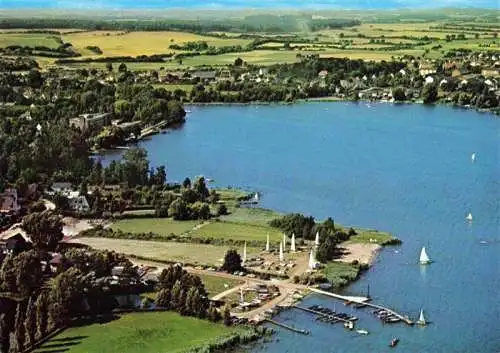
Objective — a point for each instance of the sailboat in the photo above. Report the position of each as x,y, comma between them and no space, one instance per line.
424,258
473,157
469,217
421,319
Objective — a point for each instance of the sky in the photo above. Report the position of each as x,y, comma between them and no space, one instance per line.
225,4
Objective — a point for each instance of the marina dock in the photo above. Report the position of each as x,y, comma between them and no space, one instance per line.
320,313
291,328
364,301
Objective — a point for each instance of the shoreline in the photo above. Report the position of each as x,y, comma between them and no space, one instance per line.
332,99
494,113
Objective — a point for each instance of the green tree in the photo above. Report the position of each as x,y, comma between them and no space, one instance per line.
42,306
109,67
66,296
238,62
34,79
429,93
186,183
122,67
44,228
20,331
30,321
201,188
326,250
232,261
135,166
226,316
213,314
163,298
179,210
176,296
221,210
399,94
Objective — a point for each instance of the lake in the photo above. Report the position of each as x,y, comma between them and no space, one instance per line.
406,169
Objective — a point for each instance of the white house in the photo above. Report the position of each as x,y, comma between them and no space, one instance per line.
9,202
78,202
61,187
429,80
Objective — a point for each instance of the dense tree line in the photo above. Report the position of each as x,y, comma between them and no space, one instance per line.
306,227
38,296
184,292
251,23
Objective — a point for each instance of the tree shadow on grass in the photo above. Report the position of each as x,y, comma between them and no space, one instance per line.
62,350
68,339
101,319
60,345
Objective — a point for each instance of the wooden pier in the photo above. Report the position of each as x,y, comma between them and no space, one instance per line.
364,301
291,328
321,314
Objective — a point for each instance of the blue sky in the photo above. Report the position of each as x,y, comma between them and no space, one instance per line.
348,4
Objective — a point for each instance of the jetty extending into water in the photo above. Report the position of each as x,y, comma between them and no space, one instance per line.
291,328
363,301
338,318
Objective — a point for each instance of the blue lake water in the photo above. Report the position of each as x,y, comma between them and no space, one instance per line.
406,169
225,4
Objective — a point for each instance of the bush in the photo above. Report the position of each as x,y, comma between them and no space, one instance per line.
221,210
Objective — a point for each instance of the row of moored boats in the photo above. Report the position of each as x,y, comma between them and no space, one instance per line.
386,316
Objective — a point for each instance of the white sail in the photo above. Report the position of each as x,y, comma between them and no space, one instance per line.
421,318
292,247
473,157
244,254
316,241
267,243
312,260
242,297
424,258
469,217
282,257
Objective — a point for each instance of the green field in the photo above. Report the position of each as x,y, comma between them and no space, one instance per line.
167,251
339,274
139,333
162,226
251,216
215,285
237,231
28,39
171,88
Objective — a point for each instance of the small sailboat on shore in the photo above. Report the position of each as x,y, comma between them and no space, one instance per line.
421,319
424,258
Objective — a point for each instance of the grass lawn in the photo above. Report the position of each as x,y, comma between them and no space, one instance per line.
215,285
364,236
339,274
162,226
201,254
28,39
139,333
251,216
238,231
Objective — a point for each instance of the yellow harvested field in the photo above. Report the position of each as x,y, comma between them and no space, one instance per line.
120,43
170,251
